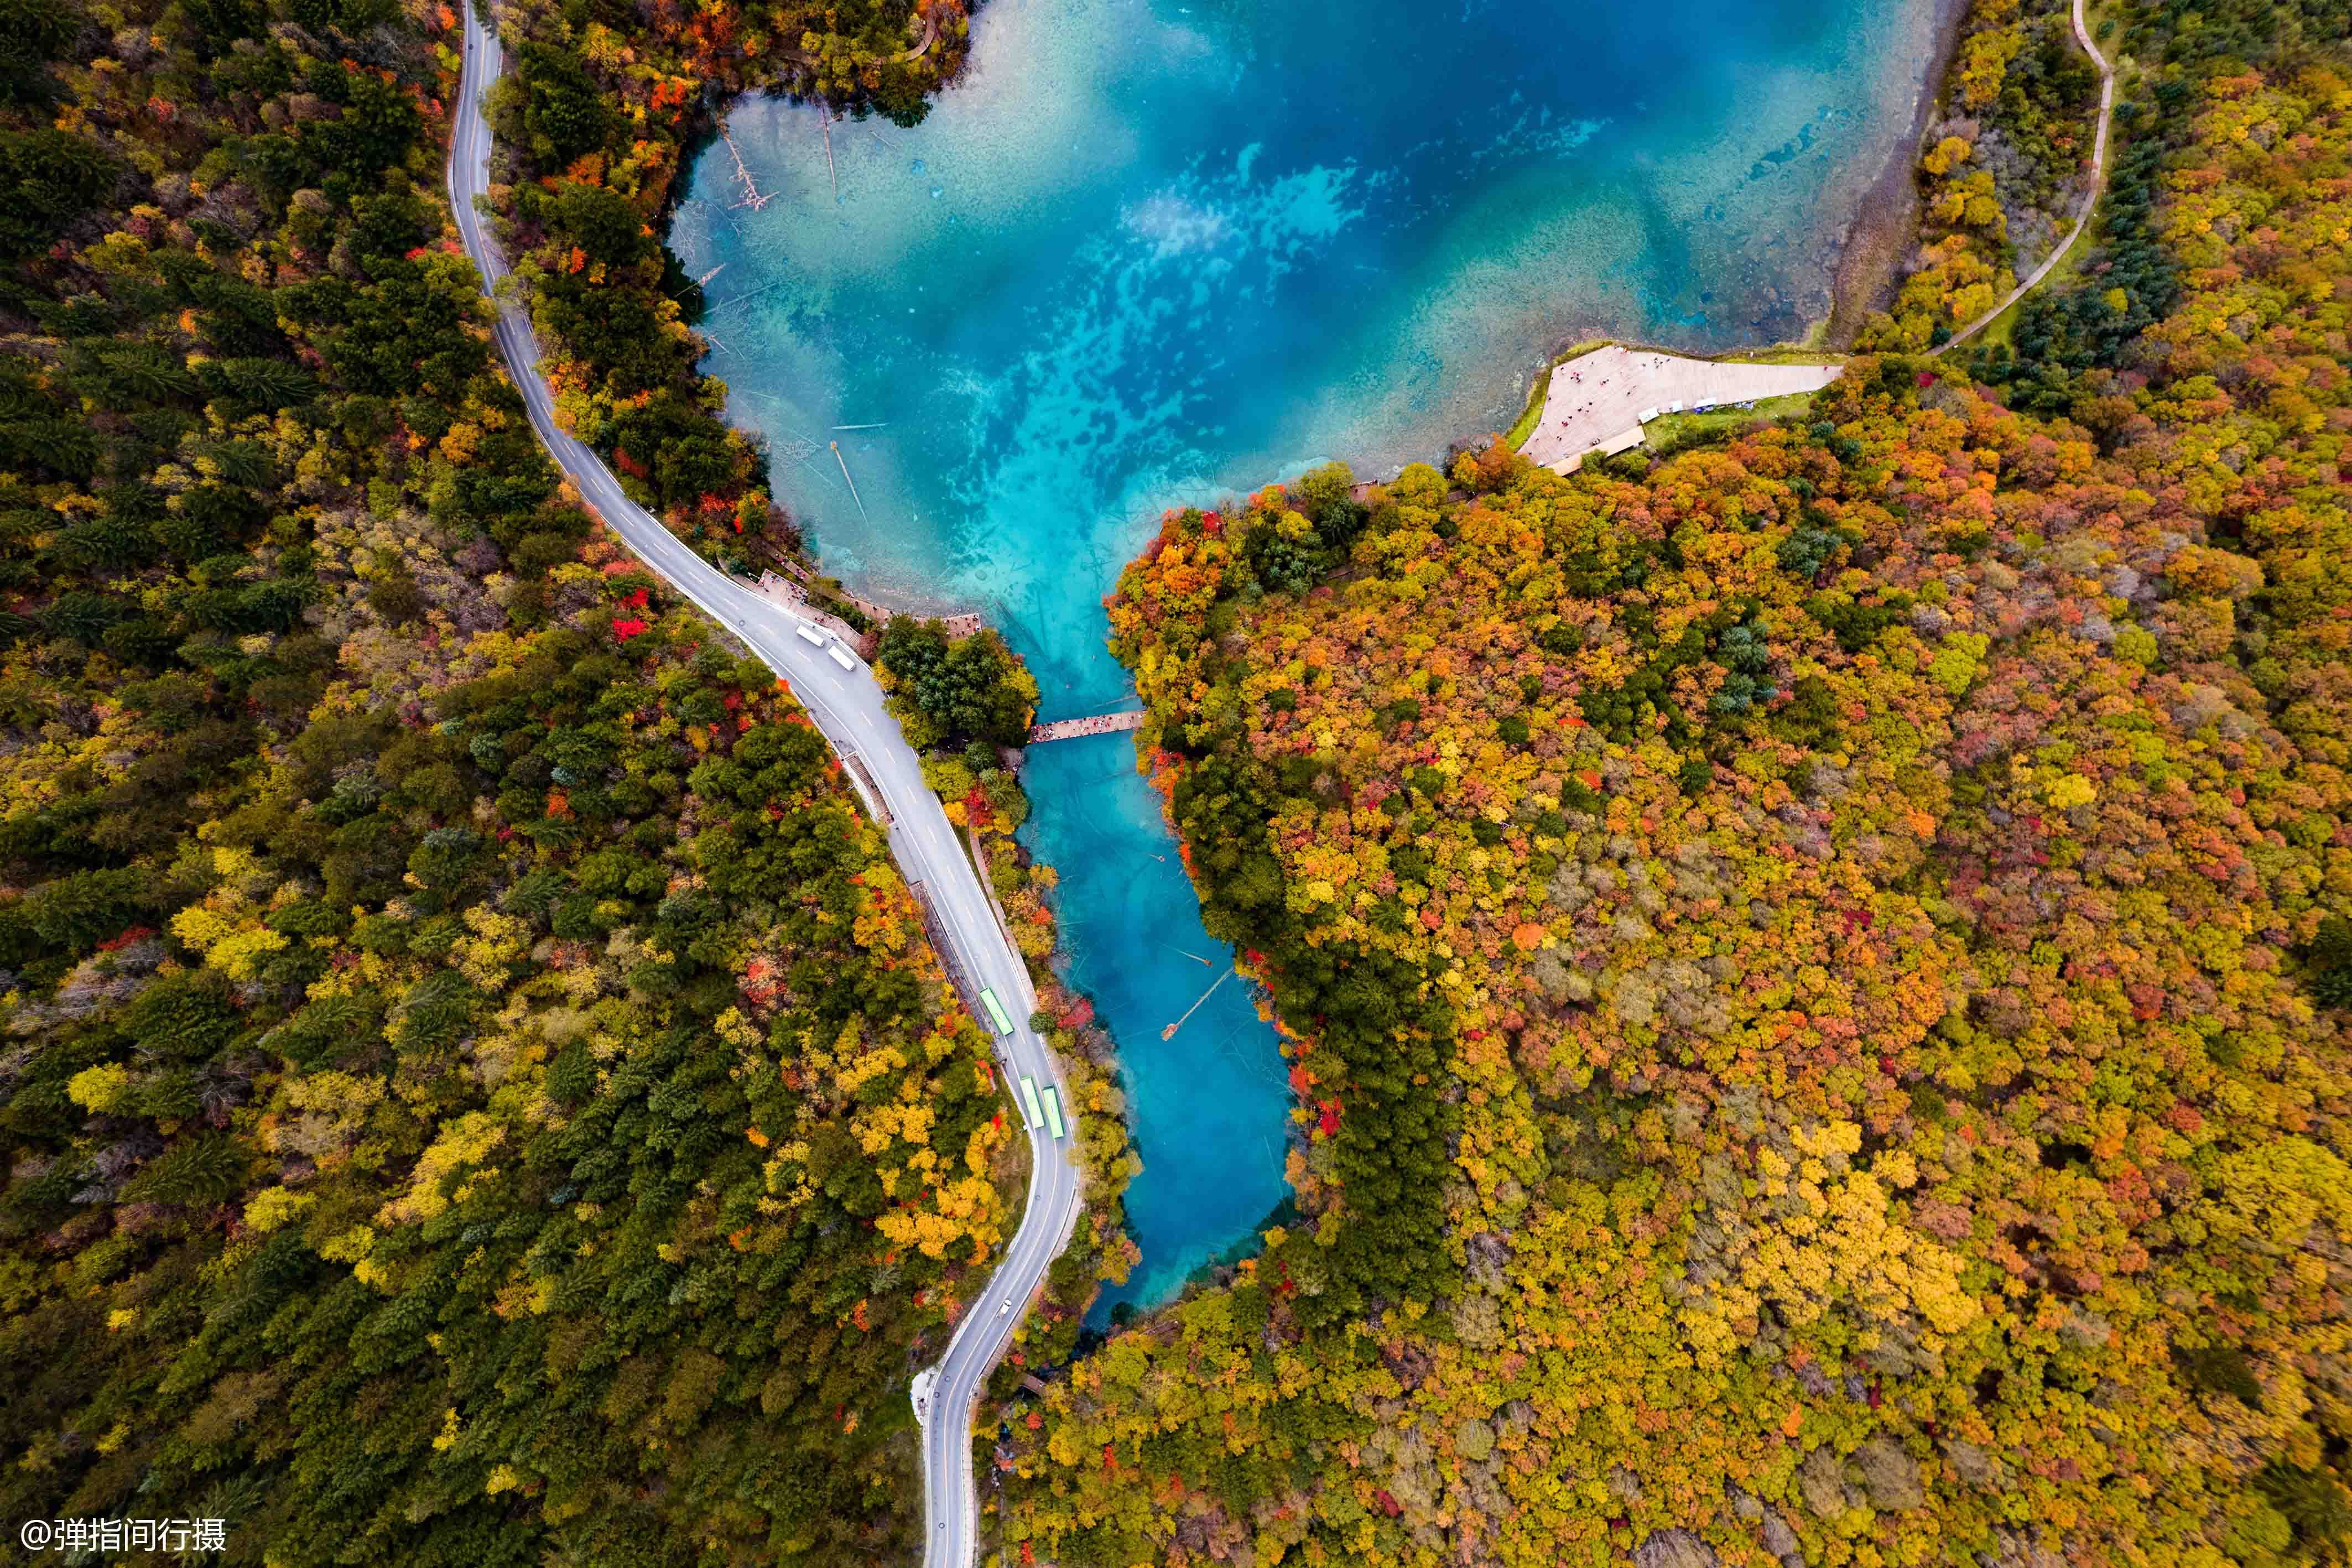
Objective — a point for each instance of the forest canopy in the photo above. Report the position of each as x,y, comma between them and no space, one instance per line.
1811,971
1811,968
474,1088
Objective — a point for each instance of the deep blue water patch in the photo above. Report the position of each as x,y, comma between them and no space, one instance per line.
1210,1107
1149,252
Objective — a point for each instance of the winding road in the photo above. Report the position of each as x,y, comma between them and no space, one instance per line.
2106,68
847,706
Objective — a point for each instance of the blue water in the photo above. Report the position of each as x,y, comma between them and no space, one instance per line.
1149,252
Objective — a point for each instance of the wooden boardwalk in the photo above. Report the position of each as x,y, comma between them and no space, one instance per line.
1072,729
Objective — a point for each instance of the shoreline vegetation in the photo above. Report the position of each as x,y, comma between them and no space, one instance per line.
1731,1112
474,1090
473,1086
1886,265
582,177
966,704
595,126
573,166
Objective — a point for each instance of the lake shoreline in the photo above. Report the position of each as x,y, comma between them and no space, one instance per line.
1884,228
1863,258
1864,261
1091,427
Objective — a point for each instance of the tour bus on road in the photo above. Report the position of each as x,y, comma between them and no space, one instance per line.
809,634
840,655
995,1012
1054,1111
1029,1103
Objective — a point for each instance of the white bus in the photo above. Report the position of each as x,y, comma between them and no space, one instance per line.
809,634
839,655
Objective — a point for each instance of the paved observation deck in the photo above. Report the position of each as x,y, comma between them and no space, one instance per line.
1599,401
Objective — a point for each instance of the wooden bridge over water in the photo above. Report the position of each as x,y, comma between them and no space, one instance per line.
1100,724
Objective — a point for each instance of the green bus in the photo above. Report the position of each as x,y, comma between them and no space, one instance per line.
1054,1111
1029,1103
995,1012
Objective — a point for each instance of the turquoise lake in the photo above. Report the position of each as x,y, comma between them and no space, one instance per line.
1149,253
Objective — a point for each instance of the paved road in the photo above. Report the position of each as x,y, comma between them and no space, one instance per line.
848,707
2090,204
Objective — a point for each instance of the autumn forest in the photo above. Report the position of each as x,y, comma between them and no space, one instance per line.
1812,964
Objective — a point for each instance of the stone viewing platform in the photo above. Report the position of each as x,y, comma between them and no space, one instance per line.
1072,729
783,591
1599,401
